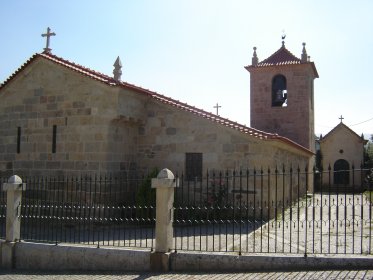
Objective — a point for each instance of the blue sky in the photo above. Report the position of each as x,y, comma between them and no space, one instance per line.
195,50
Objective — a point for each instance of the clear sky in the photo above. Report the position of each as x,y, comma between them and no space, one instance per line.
195,50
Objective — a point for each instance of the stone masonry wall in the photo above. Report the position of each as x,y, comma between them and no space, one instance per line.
90,136
166,137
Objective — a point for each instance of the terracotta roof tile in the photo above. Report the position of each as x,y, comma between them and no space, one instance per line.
281,57
278,56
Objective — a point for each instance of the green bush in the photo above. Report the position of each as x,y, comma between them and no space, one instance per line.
146,195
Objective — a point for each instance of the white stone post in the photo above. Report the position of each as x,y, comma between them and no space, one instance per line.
164,185
14,189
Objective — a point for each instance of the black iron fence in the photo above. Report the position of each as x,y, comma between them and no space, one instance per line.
101,211
260,211
264,211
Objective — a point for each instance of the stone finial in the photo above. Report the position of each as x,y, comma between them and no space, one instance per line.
15,179
14,183
304,57
166,174
165,179
117,69
254,60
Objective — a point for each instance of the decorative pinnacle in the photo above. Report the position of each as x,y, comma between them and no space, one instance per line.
117,69
254,60
304,57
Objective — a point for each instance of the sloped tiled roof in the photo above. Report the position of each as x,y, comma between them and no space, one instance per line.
342,125
281,57
110,81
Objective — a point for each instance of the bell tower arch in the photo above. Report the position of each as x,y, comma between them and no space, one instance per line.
281,95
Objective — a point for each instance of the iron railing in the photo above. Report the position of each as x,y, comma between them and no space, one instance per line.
247,211
100,211
264,211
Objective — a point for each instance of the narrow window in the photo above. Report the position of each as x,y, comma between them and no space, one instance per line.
54,140
279,91
19,140
193,166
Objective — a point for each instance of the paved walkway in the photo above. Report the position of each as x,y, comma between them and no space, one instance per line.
320,275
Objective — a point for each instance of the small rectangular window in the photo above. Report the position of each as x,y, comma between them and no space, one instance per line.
193,166
54,140
19,134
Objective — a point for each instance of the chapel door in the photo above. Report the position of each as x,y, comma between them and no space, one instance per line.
341,172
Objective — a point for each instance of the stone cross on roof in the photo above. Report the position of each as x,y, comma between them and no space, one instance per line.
217,108
341,118
48,35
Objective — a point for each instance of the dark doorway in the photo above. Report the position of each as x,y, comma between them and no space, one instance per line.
341,172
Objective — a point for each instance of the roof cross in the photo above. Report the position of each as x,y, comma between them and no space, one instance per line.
341,118
217,108
48,35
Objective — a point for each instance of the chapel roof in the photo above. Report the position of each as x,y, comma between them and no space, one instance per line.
110,81
341,125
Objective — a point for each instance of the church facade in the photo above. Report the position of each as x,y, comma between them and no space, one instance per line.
57,117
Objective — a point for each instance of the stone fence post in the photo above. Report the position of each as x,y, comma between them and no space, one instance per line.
14,189
164,184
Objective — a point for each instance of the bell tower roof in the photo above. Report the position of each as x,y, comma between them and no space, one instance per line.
283,57
280,57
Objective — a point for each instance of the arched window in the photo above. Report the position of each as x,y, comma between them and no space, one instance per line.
279,91
341,172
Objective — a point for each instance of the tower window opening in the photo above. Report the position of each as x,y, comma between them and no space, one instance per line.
279,91
54,139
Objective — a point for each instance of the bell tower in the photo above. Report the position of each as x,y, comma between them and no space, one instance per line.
281,95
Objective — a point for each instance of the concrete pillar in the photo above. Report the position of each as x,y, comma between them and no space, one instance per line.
164,185
14,189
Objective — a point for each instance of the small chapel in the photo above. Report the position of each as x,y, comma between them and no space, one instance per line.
58,117
342,151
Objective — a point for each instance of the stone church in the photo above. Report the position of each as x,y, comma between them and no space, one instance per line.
342,150
58,117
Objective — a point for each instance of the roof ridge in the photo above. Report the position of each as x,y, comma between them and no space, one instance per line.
208,115
98,75
335,128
